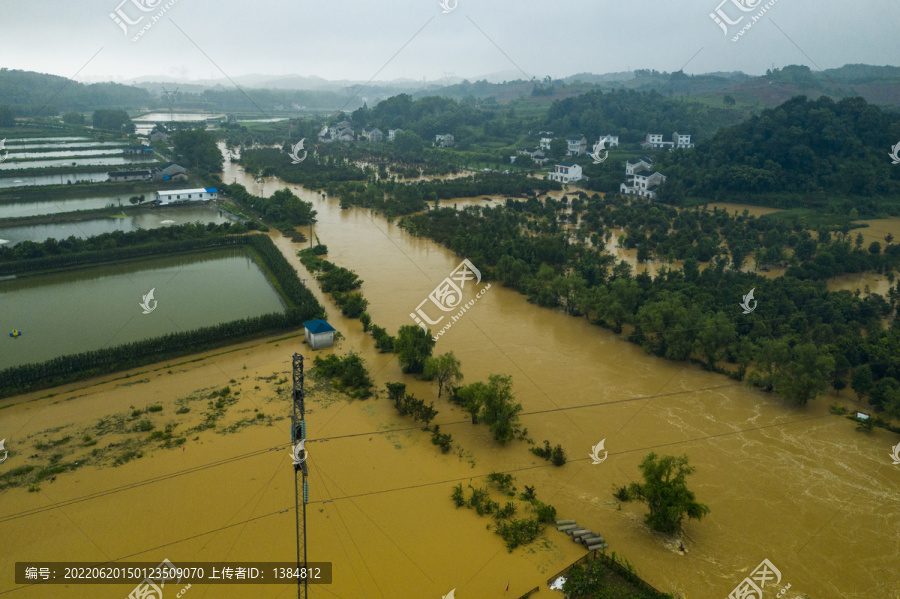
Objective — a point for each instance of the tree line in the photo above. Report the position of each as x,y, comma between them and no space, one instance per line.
283,209
687,314
805,147
53,254
302,306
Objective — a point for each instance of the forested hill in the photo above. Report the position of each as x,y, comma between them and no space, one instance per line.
26,92
631,114
802,146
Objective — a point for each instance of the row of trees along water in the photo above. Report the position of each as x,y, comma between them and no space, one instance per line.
302,306
315,172
396,198
283,209
52,254
800,340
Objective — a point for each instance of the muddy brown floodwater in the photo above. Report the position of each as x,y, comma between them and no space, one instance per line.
796,486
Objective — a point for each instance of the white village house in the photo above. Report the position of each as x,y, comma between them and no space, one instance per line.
655,140
444,141
612,141
319,333
545,142
640,179
186,195
577,146
565,172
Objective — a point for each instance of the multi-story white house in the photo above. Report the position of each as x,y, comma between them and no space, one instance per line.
545,142
392,133
577,146
640,179
637,164
443,141
612,141
681,141
372,135
655,140
566,172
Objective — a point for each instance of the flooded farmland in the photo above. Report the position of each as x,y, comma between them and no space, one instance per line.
60,179
93,308
797,486
151,218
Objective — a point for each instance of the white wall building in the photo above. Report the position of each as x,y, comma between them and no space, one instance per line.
612,141
640,179
681,141
186,195
566,172
577,146
319,333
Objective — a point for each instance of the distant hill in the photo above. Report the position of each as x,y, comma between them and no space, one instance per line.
27,92
803,146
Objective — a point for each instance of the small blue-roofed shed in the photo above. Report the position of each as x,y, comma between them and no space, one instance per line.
319,334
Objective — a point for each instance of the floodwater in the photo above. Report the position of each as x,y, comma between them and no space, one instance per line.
166,117
86,144
64,178
52,138
64,153
99,161
89,309
151,219
796,486
19,209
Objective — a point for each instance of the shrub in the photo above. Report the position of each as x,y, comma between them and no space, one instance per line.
144,426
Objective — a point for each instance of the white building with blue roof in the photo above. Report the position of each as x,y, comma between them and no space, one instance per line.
319,334
174,196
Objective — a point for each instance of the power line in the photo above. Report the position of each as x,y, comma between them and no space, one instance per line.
259,452
443,482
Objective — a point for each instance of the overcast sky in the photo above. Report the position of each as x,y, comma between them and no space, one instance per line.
357,39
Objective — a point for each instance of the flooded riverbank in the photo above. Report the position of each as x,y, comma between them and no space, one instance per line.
797,486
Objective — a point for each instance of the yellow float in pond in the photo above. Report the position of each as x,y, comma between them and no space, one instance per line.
15,333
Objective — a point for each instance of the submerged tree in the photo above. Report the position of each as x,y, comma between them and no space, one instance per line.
445,370
665,492
413,347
